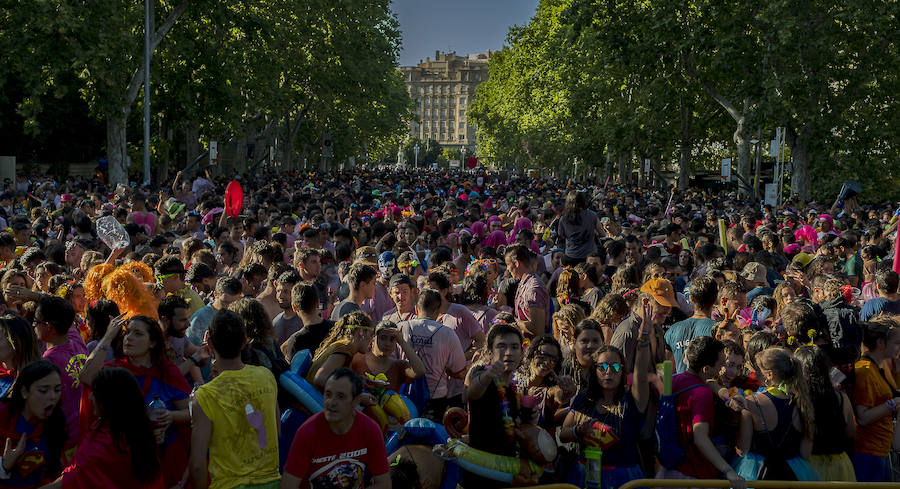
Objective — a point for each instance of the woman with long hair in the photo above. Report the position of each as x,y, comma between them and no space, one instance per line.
141,351
564,322
120,449
610,311
350,335
578,226
541,377
588,338
475,294
261,349
18,348
379,358
32,424
777,424
609,403
834,426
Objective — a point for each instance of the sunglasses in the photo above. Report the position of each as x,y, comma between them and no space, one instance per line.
547,356
604,367
405,264
160,278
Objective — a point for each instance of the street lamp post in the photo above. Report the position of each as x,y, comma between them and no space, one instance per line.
416,151
463,165
146,92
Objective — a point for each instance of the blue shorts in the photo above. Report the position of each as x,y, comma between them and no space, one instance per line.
870,468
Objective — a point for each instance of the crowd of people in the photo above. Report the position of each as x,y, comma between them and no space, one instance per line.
685,334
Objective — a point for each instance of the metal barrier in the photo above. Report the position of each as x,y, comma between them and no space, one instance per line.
758,484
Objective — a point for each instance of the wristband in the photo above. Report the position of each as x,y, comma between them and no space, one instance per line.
101,346
891,404
191,358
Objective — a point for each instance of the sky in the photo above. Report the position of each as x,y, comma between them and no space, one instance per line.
464,26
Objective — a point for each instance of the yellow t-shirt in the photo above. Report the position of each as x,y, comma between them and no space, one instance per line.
242,406
195,302
871,390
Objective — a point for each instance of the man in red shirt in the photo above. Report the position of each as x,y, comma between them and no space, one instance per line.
705,357
338,447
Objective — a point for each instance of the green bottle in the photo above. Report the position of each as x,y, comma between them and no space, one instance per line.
592,475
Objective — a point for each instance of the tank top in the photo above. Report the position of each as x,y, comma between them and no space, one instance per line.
830,437
147,221
780,443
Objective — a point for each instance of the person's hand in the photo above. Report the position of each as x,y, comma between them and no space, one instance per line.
17,292
495,371
201,356
567,388
366,399
160,435
646,317
737,482
115,326
11,454
163,418
584,427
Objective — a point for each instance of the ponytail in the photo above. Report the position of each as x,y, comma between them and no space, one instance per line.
787,370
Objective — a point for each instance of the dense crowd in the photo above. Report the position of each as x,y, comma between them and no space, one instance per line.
427,329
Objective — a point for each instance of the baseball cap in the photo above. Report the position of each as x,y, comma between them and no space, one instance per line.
661,290
173,207
754,272
367,255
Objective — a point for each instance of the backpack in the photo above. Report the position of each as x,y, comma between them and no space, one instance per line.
670,452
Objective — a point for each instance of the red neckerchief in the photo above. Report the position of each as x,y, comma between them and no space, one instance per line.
138,371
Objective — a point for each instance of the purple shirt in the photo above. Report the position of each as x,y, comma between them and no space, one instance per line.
379,304
70,358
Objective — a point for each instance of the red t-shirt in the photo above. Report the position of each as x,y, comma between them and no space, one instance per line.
324,459
692,407
101,461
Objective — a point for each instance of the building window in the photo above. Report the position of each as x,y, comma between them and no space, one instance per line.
462,101
462,113
462,137
462,125
443,112
464,89
421,90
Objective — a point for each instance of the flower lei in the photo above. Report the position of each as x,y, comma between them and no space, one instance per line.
509,425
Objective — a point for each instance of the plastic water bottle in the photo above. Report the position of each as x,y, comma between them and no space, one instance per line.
155,408
592,475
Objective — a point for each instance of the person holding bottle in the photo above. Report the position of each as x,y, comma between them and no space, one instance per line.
141,351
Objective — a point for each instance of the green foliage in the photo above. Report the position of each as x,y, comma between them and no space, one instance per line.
684,83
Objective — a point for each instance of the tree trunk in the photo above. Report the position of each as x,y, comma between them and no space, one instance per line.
623,170
287,143
192,142
117,146
684,154
742,142
801,157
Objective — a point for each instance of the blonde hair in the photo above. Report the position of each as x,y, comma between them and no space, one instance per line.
564,321
567,286
344,329
610,306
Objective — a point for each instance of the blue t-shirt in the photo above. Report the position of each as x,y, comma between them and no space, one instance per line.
200,324
680,335
876,306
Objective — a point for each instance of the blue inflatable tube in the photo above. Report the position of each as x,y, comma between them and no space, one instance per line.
298,387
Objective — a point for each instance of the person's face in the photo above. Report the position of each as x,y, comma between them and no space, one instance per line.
137,342
179,322
495,225
173,283
556,260
338,400
225,257
283,293
385,342
330,214
514,268
354,226
400,294
408,234
586,344
733,304
43,395
684,259
313,266
828,267
78,300
788,295
508,350
7,351
632,252
544,360
74,252
367,289
611,228
731,369
660,312
605,369
237,231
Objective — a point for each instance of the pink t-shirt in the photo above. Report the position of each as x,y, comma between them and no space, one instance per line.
532,293
379,304
70,358
439,349
461,320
